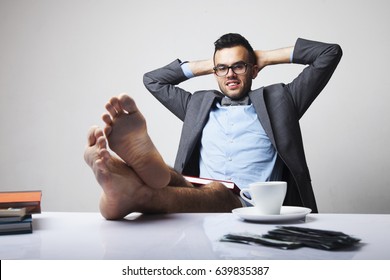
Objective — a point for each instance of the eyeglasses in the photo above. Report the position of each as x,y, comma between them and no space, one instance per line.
237,68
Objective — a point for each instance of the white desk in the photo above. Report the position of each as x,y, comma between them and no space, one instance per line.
79,236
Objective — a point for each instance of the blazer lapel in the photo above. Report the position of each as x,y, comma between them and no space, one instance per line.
195,120
257,98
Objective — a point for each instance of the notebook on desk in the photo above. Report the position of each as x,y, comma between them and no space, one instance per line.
198,181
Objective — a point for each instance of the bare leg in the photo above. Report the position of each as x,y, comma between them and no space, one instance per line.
127,136
123,191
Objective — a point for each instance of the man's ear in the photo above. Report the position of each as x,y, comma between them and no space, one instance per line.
255,71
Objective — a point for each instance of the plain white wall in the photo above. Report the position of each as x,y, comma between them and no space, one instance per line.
60,61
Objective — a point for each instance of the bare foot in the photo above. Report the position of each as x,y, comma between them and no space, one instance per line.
123,191
127,136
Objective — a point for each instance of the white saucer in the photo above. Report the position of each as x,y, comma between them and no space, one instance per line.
287,213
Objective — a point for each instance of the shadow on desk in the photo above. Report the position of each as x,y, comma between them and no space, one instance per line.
166,237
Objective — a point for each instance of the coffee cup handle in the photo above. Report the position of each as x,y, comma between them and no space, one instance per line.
242,194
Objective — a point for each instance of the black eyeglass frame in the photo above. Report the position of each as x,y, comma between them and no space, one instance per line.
215,68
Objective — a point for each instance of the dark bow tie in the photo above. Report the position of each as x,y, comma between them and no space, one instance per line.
226,101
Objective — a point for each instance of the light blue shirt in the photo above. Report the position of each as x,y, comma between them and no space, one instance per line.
235,147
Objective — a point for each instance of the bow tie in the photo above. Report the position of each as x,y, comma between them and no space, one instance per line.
226,101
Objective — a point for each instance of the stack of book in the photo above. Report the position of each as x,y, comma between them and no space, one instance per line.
16,209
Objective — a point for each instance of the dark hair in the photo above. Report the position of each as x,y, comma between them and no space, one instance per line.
233,40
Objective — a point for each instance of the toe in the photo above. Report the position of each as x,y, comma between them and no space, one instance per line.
92,135
98,133
107,130
114,101
107,119
111,110
128,104
101,142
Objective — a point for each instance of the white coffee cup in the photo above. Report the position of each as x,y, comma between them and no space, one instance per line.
266,197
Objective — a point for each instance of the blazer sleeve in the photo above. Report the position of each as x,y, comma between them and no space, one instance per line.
322,60
162,84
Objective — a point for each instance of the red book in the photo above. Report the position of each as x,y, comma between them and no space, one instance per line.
203,181
31,200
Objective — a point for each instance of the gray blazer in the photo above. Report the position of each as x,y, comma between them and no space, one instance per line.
279,108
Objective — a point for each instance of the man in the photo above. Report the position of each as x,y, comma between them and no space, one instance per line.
257,140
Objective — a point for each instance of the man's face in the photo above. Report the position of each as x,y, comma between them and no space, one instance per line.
234,85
